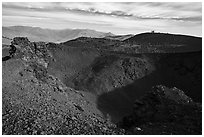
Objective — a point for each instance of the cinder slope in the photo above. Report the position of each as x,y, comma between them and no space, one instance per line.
35,102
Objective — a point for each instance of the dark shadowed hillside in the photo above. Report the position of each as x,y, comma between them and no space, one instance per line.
68,61
164,110
174,70
117,78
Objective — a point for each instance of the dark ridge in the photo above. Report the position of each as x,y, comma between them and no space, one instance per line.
96,43
162,38
165,39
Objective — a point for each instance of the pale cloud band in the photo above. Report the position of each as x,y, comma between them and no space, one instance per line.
119,18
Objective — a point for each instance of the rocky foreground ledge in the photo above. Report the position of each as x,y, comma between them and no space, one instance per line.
35,102
164,110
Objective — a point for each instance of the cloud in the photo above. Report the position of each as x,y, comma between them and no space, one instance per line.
179,9
115,17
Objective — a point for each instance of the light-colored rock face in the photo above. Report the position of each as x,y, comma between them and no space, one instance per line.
174,94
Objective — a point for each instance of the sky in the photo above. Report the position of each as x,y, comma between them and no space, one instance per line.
115,17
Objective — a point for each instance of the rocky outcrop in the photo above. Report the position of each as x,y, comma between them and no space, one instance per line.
158,99
165,105
32,51
35,55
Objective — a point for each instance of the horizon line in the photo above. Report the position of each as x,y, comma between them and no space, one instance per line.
101,31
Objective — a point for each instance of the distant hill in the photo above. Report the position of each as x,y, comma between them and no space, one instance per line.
95,43
166,42
49,35
141,43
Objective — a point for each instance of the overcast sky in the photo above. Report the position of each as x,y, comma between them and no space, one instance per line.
118,18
